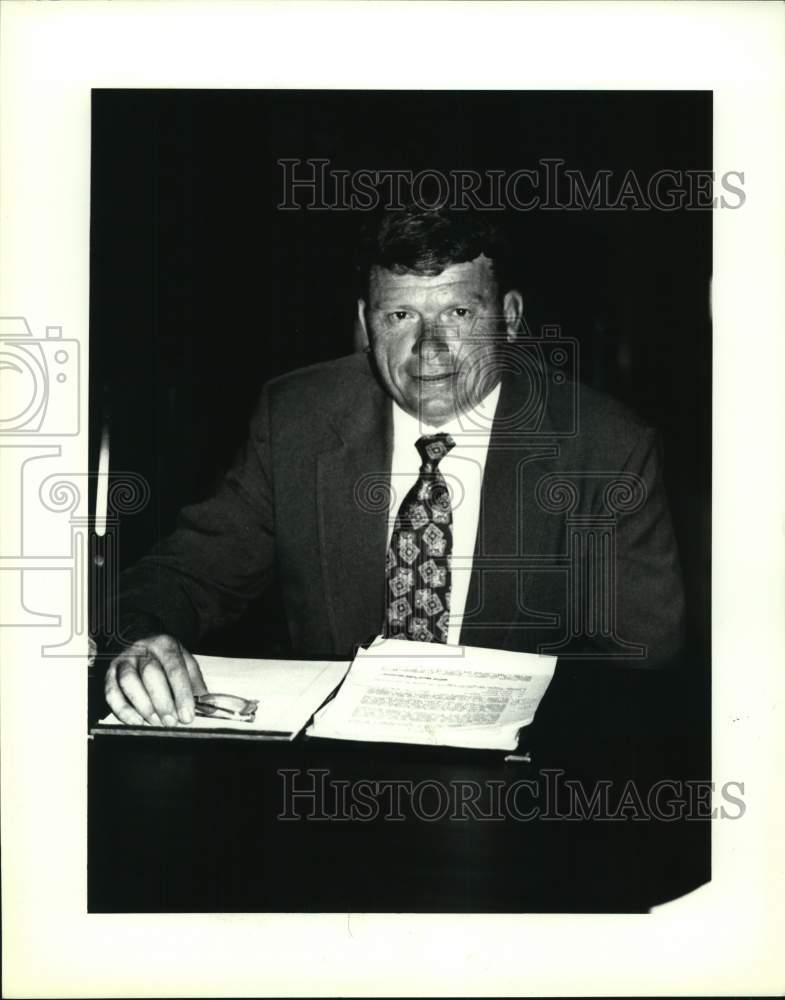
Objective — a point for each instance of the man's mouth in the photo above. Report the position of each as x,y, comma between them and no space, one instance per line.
435,376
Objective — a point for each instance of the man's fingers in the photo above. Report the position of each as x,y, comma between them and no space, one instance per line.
131,686
156,684
127,715
194,672
117,702
171,656
156,679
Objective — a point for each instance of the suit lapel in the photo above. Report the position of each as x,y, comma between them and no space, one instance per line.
353,494
511,527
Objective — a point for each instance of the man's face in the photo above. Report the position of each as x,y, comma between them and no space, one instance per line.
435,339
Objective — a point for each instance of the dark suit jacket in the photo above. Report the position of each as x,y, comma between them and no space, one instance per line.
575,552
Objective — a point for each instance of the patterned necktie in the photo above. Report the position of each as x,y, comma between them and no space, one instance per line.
418,559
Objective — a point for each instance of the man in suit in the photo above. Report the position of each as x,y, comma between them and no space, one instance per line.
451,483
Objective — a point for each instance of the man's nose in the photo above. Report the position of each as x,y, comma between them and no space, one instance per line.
433,343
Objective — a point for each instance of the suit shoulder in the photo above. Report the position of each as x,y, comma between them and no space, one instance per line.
326,382
600,408
605,425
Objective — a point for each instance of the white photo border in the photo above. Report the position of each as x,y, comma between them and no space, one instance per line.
725,938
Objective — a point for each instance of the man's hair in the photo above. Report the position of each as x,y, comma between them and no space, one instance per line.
415,240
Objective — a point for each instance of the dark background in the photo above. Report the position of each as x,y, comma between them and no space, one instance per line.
202,289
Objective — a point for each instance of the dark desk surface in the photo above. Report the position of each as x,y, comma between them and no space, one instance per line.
194,825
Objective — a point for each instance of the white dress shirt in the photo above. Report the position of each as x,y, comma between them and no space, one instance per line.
463,470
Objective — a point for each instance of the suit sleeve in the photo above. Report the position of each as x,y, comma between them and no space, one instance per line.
649,590
219,558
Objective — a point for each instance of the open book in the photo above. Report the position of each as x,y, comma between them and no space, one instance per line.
394,692
429,693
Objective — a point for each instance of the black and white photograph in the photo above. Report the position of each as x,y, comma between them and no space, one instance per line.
432,368
383,468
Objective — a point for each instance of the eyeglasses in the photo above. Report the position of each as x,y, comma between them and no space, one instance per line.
225,706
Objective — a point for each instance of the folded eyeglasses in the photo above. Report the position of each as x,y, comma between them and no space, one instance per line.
225,706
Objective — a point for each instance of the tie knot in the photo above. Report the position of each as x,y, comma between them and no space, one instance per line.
433,448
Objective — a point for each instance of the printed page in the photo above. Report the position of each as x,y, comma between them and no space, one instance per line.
413,692
288,692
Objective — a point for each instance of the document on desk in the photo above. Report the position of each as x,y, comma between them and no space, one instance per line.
288,693
429,693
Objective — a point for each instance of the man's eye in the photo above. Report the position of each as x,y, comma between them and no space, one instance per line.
461,312
399,315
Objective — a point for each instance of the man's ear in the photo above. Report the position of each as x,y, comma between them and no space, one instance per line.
361,341
513,314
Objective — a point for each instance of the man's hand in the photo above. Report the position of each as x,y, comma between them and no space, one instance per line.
154,681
